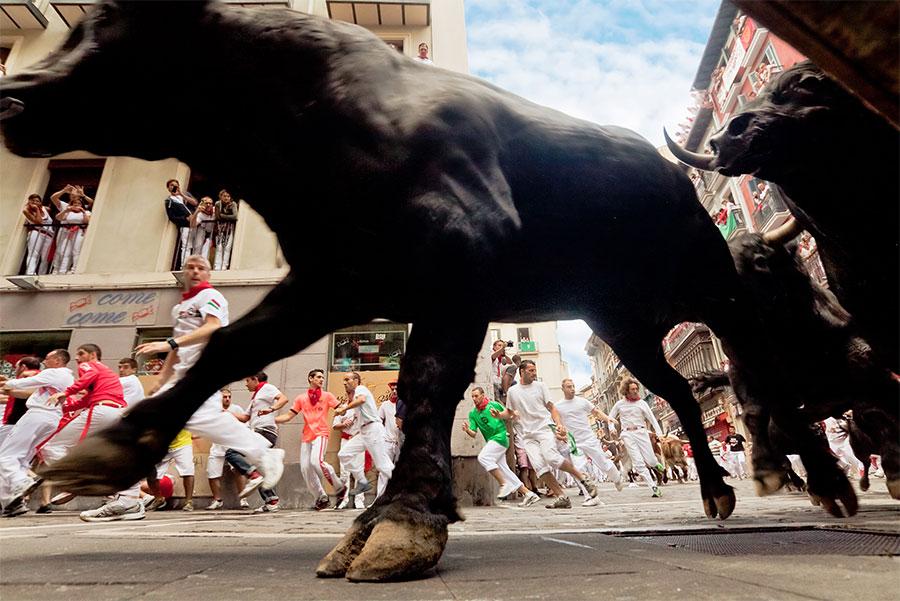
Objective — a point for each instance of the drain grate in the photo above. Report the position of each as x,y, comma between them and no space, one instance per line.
813,541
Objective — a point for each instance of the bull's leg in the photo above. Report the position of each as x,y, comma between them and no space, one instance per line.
404,533
645,359
115,458
882,428
769,468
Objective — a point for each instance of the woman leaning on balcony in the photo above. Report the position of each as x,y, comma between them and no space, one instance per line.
73,217
39,235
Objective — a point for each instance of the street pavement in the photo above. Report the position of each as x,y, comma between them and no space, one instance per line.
611,552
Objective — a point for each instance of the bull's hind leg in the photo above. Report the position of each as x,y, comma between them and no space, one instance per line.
404,533
117,457
643,356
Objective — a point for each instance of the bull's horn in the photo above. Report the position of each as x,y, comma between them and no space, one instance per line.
693,159
10,107
783,233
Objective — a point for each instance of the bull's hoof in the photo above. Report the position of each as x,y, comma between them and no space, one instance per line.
768,482
718,501
105,463
338,560
398,550
843,492
893,487
864,483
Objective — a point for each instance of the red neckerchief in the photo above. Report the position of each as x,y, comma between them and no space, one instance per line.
393,397
258,386
195,290
314,395
632,400
483,404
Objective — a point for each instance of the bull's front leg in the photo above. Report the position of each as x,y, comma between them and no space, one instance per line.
404,533
117,457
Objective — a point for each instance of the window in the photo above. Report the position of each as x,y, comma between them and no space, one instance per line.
371,347
150,365
15,345
772,58
5,51
495,335
77,172
524,334
395,43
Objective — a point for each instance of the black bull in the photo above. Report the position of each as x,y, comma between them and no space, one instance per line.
470,184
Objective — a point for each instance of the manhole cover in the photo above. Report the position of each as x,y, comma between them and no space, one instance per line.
781,542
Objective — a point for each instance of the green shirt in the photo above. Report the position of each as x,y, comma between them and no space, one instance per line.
491,427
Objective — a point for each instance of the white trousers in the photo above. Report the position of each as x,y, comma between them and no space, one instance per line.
18,449
68,249
184,243
353,459
542,451
591,449
215,463
314,467
93,420
5,431
493,457
738,463
374,436
224,242
37,247
640,451
846,459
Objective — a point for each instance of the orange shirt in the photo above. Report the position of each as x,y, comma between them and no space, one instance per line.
315,417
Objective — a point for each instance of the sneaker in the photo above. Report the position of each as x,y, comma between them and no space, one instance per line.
507,489
359,502
114,510
14,509
156,504
530,499
660,467
339,493
62,498
321,503
345,502
25,488
591,486
216,504
254,481
48,508
656,492
879,473
188,506
593,502
620,484
272,467
245,504
560,503
269,507
361,488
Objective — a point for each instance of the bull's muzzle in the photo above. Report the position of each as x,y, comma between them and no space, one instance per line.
10,107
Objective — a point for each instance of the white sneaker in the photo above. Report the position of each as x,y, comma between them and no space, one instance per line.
216,504
593,502
530,499
245,504
359,502
267,508
272,467
22,490
620,484
507,489
115,510
254,481
591,486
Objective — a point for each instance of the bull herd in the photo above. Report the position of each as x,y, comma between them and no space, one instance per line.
473,184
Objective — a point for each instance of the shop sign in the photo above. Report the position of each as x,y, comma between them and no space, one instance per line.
98,309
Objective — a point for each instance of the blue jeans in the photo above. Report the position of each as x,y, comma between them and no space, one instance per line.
239,462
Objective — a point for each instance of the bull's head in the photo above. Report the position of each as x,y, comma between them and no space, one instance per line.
781,130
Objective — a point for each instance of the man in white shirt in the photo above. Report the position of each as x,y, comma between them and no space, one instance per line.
131,385
575,412
529,403
387,413
633,414
40,421
371,432
839,443
215,464
352,456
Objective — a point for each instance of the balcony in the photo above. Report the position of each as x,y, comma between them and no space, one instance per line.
689,349
396,13
20,14
72,11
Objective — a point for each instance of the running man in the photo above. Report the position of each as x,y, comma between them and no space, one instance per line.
575,412
315,405
633,413
202,311
496,441
529,403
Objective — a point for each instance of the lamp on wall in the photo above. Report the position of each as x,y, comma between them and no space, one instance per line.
25,282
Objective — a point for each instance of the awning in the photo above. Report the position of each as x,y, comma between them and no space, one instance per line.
396,13
21,14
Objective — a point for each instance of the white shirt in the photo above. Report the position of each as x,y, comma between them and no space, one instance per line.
189,315
368,411
72,218
47,382
833,431
132,389
575,414
632,414
387,413
263,398
353,428
530,402
235,409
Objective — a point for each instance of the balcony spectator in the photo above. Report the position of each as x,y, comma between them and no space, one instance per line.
73,218
760,195
422,57
226,221
39,236
202,223
179,206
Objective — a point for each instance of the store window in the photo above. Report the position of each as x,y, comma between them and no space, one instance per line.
150,365
371,347
15,345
